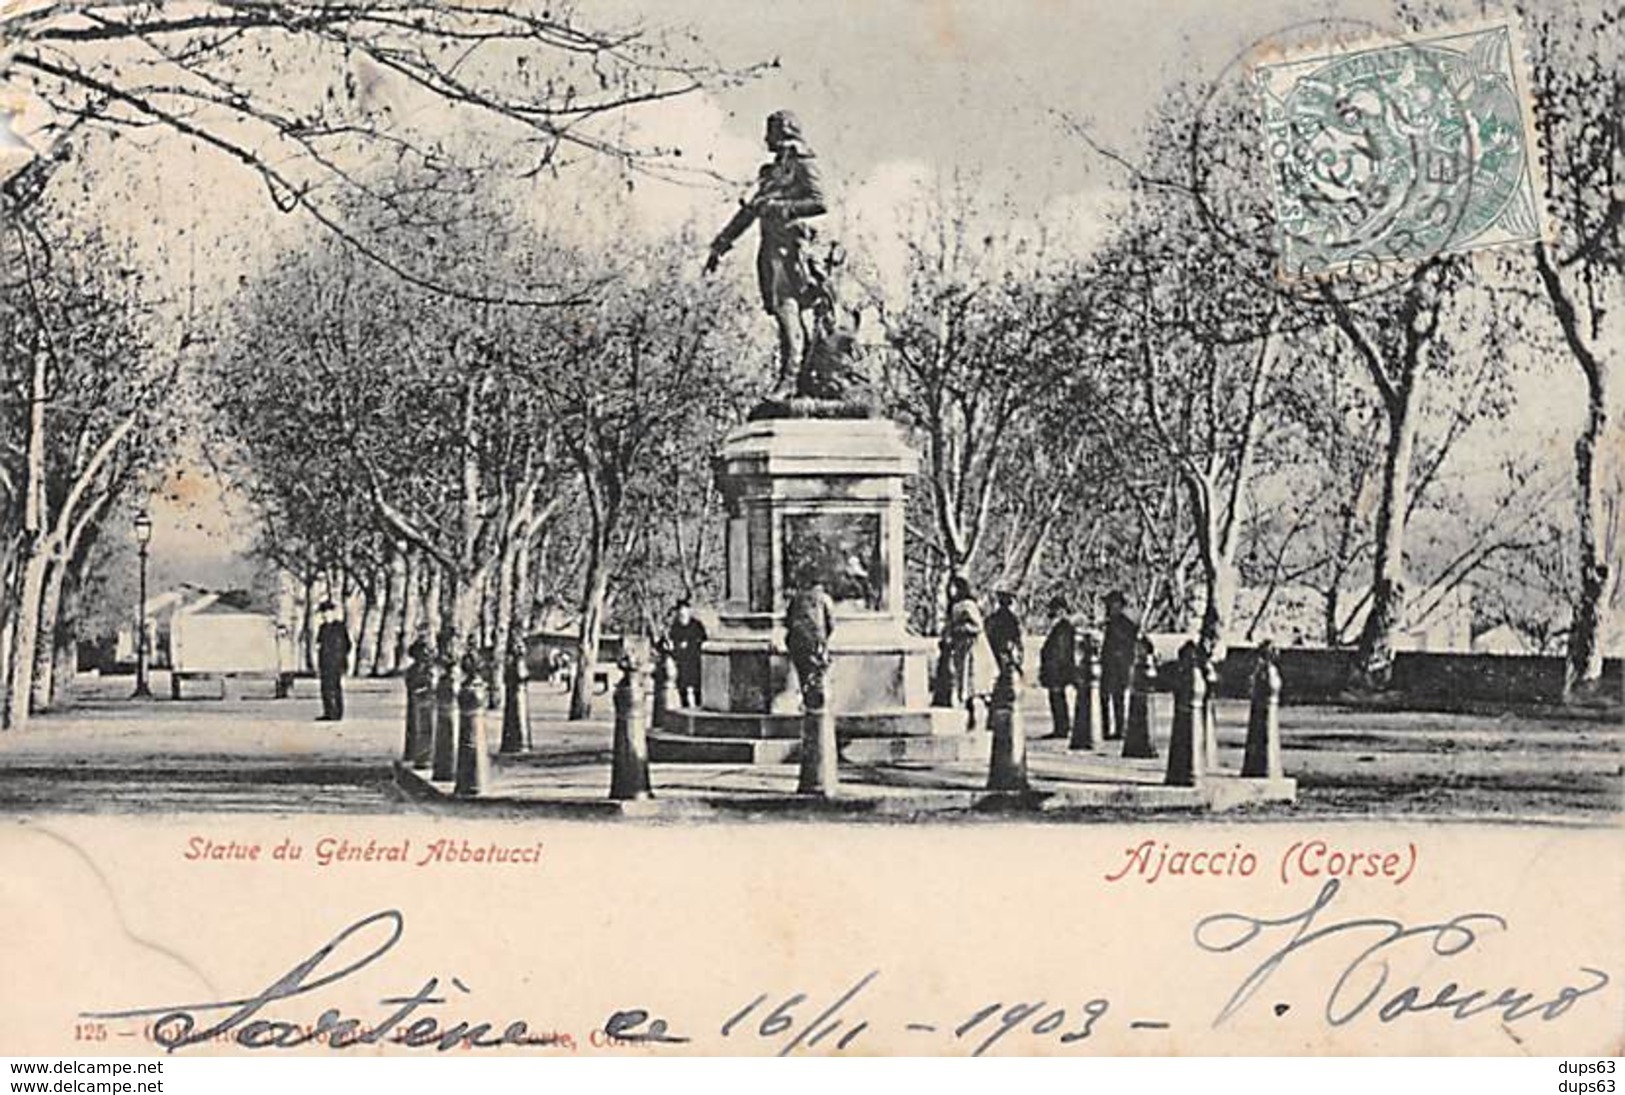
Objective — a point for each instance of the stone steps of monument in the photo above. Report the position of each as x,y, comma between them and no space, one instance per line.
686,749
921,722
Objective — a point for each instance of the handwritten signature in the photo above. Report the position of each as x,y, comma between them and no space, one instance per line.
1365,978
795,1022
177,1025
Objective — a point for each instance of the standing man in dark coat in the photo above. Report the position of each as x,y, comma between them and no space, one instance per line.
1058,667
332,660
686,635
1004,635
1117,650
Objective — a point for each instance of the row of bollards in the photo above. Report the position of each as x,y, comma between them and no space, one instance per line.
1090,724
1193,741
444,725
444,731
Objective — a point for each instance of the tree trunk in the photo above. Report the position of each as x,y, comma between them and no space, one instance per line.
411,603
307,630
1385,616
492,613
1341,561
1585,651
9,579
42,691
502,619
1215,553
524,606
1334,630
1221,581
434,601
387,658
591,633
35,558
31,591
66,664
1584,663
366,632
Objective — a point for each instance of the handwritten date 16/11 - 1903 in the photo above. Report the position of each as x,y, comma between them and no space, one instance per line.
786,1022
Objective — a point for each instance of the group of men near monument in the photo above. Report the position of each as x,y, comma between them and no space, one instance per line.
975,652
978,653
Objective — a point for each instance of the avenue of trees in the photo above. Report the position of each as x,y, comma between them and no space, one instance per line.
465,424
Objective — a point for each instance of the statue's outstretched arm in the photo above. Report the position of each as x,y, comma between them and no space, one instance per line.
736,227
731,231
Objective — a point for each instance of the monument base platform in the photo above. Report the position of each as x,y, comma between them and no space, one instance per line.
911,722
669,748
918,733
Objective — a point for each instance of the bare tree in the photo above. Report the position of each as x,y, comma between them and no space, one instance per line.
1579,91
973,351
310,96
1198,340
83,392
634,383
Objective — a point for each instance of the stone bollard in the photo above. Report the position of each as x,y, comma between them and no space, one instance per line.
515,704
664,687
820,752
1086,716
444,756
1262,759
1210,719
473,763
629,773
1185,752
1008,768
1139,739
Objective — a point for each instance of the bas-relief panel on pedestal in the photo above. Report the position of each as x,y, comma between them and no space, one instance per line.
841,550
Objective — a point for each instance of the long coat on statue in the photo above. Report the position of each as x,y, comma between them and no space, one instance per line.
788,191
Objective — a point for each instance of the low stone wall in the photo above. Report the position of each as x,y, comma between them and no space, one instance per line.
1421,678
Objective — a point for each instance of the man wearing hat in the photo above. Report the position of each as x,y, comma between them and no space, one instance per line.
1117,650
686,636
1058,667
332,659
1004,634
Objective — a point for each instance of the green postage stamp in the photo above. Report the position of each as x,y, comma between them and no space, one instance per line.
1399,151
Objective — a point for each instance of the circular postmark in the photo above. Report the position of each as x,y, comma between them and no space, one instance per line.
1373,157
1394,153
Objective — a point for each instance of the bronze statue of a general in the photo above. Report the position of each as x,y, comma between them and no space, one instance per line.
816,356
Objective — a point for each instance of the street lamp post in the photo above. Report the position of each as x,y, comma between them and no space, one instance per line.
143,536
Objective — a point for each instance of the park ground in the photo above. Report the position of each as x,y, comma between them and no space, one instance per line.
111,754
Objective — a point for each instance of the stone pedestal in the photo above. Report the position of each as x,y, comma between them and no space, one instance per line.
808,496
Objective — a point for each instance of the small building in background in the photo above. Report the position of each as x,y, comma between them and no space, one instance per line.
222,639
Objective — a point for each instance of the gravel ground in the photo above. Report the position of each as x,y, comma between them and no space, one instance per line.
109,754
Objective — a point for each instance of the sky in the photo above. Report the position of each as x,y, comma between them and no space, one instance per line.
892,95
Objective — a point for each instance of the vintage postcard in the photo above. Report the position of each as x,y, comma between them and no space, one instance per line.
924,528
